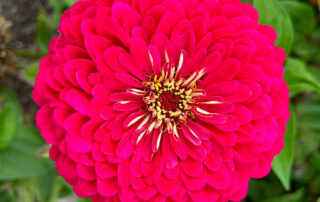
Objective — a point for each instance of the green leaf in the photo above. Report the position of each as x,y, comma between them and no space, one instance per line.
5,197
319,4
19,159
31,72
297,196
282,163
9,116
246,1
298,77
84,200
57,5
45,183
309,117
44,33
302,16
70,2
308,50
59,189
272,13
8,125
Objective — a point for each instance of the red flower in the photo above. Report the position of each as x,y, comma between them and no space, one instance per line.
162,99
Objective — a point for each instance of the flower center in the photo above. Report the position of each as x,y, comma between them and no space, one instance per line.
169,100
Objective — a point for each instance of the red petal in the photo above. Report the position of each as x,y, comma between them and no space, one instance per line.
191,167
108,187
220,179
195,183
168,187
106,170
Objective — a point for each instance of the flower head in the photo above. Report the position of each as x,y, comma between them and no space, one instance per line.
162,99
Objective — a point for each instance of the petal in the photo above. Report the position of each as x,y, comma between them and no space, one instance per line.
195,183
168,187
124,173
108,187
86,172
147,193
105,170
125,148
191,167
79,144
206,194
220,179
213,161
169,155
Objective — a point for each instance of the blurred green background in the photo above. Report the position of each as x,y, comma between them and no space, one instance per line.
26,173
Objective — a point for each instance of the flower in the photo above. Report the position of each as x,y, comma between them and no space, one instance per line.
162,99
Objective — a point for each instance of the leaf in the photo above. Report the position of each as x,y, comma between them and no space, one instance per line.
309,115
31,72
308,48
8,125
282,163
70,2
298,78
57,5
272,13
44,34
302,16
84,200
59,189
297,196
5,197
45,183
246,1
9,116
19,159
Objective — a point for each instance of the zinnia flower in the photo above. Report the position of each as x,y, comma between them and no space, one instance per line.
162,100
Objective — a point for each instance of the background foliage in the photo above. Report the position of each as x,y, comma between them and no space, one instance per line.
27,175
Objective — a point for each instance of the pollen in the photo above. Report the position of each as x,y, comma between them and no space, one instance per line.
170,98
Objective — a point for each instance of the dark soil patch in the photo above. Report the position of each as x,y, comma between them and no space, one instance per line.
23,15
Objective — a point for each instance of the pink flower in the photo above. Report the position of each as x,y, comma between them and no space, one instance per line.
162,100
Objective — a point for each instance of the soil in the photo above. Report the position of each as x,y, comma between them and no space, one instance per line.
22,14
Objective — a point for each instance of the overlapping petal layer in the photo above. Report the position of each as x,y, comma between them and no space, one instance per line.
105,140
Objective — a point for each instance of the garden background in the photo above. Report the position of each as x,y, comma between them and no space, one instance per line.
27,174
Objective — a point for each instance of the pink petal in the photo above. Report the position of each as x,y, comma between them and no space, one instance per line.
79,144
107,187
168,187
125,148
129,79
191,167
84,188
112,58
220,179
147,193
230,125
124,173
213,161
172,174
74,122
195,183
101,93
179,147
199,130
169,155
86,172
130,106
190,136
206,194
